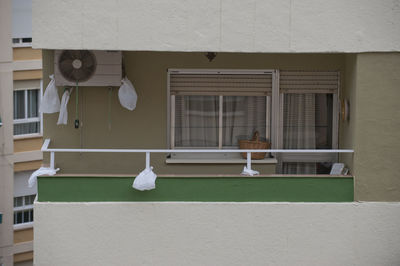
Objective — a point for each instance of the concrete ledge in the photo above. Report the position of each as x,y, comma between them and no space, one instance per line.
209,233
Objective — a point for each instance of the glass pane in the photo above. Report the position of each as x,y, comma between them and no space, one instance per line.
26,216
31,215
19,104
242,116
19,218
17,201
29,199
307,124
33,103
323,120
27,128
196,121
307,121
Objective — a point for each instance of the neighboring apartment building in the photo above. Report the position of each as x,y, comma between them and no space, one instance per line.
305,75
27,128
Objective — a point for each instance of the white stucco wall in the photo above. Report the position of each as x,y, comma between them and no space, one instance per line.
218,25
217,234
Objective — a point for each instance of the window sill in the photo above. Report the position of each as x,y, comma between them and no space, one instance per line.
28,136
23,226
219,161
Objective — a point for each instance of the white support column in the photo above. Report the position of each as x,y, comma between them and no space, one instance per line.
52,160
249,161
147,160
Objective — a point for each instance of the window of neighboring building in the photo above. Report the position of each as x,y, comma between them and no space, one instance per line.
22,42
23,209
290,109
26,112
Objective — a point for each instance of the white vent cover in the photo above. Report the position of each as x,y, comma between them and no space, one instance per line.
108,70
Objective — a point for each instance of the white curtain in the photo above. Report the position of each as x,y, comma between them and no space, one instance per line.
242,116
299,129
196,121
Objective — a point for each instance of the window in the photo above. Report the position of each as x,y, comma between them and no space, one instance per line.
215,109
26,112
23,209
290,109
309,120
22,42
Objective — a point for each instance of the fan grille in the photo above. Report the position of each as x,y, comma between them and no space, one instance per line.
77,65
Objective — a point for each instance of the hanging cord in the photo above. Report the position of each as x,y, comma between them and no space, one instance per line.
77,106
109,107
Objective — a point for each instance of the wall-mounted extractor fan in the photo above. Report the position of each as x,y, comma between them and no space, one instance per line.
87,68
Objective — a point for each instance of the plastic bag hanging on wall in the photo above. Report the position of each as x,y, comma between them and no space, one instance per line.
127,95
51,101
63,117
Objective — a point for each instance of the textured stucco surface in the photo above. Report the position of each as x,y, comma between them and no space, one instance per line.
218,25
377,127
217,234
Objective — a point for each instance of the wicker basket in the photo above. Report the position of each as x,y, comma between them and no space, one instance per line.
254,143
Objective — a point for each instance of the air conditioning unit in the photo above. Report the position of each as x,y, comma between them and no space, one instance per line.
87,68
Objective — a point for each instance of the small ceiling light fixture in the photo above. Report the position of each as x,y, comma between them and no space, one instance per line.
211,56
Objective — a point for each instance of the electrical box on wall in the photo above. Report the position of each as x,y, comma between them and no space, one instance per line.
87,68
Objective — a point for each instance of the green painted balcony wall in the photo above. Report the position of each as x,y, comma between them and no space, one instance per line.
203,189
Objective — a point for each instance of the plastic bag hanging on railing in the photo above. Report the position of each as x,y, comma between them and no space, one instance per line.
63,117
127,95
50,102
146,180
41,171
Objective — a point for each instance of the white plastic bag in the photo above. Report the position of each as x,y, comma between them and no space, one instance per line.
146,180
41,171
50,102
249,172
63,117
127,95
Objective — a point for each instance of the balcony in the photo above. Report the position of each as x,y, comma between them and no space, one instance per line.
218,187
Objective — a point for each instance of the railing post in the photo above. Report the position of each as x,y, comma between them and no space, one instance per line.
147,160
249,161
52,160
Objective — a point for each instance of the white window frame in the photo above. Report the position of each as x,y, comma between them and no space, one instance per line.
24,207
276,122
171,103
20,43
31,119
314,157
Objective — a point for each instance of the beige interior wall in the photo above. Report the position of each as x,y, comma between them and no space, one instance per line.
146,127
376,136
348,92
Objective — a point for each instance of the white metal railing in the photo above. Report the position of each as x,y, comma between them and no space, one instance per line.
45,148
